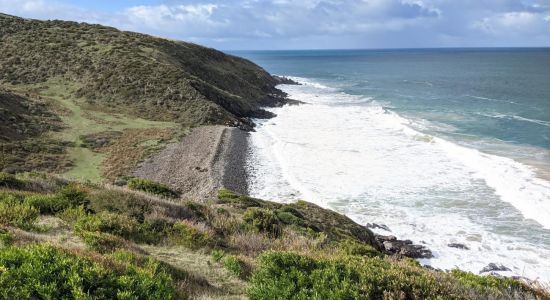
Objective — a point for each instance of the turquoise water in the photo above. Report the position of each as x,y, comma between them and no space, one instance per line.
443,146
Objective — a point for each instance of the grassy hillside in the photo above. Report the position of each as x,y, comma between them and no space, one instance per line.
109,242
25,121
66,86
127,72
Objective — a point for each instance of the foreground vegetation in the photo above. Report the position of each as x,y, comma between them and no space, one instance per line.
71,240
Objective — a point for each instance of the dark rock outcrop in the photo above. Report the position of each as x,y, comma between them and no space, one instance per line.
285,80
458,246
391,245
379,226
492,267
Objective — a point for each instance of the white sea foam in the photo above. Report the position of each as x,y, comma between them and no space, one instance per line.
514,117
367,162
491,99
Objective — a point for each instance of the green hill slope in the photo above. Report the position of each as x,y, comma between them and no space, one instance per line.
110,85
128,72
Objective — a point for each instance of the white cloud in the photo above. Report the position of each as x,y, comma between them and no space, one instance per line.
512,23
319,23
193,18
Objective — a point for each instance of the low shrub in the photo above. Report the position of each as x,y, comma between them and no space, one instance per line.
226,196
12,197
15,213
6,237
72,215
151,187
147,262
262,220
48,203
289,209
121,202
102,242
289,219
235,265
10,181
45,272
74,196
350,247
284,275
281,275
150,231
217,255
42,182
187,234
199,211
68,197
489,284
116,224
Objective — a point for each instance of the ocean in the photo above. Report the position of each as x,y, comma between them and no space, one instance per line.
441,145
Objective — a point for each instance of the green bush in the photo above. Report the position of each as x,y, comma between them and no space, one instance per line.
72,215
226,196
289,219
283,275
102,242
135,206
217,255
200,211
116,224
15,213
10,181
151,187
262,220
69,196
45,272
234,265
289,209
186,234
6,237
151,231
351,247
132,259
47,204
103,222
74,196
12,197
487,284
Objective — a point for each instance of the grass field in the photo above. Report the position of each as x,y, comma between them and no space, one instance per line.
83,119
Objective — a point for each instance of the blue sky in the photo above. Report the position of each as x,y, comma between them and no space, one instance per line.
312,24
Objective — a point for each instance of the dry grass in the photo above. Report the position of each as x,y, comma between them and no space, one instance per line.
133,146
208,280
250,243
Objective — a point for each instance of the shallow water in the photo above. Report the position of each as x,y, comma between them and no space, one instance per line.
443,147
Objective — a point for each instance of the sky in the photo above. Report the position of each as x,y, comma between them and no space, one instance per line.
312,24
